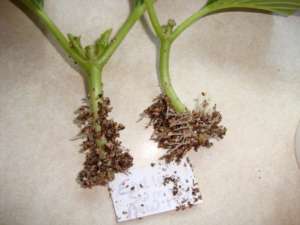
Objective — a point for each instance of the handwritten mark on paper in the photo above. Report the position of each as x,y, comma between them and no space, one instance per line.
155,189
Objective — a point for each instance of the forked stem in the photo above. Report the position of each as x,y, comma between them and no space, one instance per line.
167,35
163,33
91,63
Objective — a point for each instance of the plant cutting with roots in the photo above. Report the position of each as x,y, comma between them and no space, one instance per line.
104,154
176,128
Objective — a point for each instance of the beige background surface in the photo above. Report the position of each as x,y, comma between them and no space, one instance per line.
249,64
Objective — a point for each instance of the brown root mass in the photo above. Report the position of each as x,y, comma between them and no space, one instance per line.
101,163
180,133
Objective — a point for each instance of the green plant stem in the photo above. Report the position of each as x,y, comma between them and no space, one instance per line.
95,89
190,21
166,41
92,68
164,60
164,77
281,7
95,97
59,36
154,19
137,12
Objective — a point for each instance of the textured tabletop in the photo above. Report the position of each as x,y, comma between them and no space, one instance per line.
247,63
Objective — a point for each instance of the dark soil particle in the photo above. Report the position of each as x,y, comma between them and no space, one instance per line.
196,198
174,181
189,162
180,133
104,154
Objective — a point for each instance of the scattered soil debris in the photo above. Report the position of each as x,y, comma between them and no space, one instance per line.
195,191
174,181
132,188
152,164
101,163
184,204
180,133
141,186
189,162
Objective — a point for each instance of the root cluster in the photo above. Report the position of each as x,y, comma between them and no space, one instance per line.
180,133
104,154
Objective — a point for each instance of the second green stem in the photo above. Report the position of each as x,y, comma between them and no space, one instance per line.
165,79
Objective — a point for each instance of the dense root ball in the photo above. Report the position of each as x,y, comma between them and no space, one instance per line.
179,133
104,154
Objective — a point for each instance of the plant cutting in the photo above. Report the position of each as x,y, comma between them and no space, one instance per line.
104,154
176,128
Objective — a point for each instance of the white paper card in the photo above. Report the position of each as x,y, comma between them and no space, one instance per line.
154,189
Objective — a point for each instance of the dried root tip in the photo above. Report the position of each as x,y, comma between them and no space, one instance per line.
101,163
179,133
